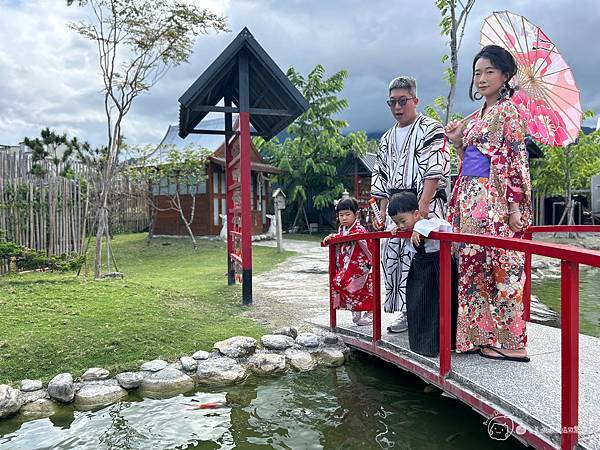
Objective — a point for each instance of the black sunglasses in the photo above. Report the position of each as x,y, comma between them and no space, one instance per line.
401,101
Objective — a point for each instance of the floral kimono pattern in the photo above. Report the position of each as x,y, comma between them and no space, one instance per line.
490,287
352,285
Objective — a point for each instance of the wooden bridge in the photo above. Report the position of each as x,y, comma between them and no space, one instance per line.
551,402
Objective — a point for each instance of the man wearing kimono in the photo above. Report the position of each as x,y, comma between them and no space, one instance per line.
412,156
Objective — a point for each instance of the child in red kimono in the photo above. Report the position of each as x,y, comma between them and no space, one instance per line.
352,285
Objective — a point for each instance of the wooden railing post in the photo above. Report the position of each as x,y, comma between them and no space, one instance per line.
527,286
445,302
569,354
332,314
376,273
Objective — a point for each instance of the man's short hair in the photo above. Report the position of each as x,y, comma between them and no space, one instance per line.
408,83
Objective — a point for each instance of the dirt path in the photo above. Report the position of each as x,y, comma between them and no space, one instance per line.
293,290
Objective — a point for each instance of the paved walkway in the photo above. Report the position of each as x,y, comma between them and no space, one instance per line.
293,290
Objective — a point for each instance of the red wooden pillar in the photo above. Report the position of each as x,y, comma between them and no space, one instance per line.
229,193
376,267
445,302
527,286
332,311
569,304
245,178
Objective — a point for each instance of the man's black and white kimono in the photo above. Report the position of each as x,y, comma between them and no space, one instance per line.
400,166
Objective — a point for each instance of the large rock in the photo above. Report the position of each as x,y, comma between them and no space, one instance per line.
61,388
330,339
154,366
287,331
236,347
130,380
201,354
96,394
307,340
331,357
95,373
41,407
40,394
276,341
168,380
266,363
188,364
220,371
300,360
10,400
31,385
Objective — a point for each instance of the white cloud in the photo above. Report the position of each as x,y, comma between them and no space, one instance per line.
49,75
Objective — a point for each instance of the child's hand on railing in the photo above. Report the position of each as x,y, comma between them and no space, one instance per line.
416,238
328,238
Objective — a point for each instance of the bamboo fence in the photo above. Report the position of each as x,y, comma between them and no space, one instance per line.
53,213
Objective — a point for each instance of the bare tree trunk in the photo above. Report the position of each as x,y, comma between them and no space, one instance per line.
185,221
99,234
453,63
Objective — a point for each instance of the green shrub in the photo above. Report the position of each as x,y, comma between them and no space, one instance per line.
9,249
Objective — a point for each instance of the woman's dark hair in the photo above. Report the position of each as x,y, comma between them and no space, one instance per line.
502,60
349,203
402,202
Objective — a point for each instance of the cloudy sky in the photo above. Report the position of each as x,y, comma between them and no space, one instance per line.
49,75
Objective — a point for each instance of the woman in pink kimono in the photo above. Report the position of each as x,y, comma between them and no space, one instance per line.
492,196
352,285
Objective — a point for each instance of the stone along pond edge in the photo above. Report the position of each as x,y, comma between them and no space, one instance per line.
230,362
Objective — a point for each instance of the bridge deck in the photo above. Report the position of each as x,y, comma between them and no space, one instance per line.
527,393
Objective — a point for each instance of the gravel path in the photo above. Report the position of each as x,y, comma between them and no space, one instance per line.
293,290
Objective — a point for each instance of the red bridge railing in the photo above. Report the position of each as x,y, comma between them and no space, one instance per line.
571,258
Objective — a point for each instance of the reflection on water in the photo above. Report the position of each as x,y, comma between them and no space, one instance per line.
366,404
548,292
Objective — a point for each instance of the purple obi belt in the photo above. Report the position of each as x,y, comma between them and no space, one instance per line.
475,163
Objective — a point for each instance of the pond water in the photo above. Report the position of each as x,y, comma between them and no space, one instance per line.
548,292
366,404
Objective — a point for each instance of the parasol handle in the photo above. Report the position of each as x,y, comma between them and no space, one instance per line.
469,117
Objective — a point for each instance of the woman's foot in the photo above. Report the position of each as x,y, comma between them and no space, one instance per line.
356,315
518,355
475,349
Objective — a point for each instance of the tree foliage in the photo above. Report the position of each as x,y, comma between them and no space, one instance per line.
316,146
561,168
52,147
454,19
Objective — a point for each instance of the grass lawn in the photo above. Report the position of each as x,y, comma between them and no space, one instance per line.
315,237
172,301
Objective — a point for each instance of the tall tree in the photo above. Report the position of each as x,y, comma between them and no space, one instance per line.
563,170
454,19
137,43
316,145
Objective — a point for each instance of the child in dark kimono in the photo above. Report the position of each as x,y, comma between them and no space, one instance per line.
352,285
423,284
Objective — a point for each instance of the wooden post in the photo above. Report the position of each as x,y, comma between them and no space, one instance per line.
445,307
376,273
245,178
569,354
279,230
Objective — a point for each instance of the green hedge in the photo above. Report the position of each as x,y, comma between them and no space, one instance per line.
29,259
